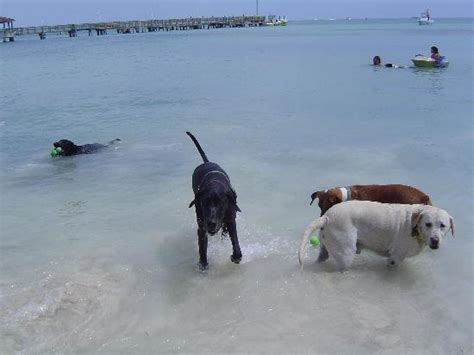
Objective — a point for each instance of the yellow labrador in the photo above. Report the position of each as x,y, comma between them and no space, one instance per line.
395,231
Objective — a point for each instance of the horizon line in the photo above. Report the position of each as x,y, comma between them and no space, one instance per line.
289,19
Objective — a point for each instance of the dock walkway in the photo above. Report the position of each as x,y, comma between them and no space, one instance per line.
101,28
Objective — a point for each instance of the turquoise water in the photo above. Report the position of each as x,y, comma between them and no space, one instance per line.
99,253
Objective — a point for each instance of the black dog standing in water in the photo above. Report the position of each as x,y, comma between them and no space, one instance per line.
69,148
216,205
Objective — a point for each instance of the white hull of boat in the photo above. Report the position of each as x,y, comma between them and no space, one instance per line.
425,21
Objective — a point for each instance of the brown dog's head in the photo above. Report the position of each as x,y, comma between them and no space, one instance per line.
327,198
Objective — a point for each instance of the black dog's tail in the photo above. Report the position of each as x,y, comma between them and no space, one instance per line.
115,140
198,146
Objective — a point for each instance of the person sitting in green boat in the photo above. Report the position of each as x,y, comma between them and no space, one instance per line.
440,60
378,62
434,53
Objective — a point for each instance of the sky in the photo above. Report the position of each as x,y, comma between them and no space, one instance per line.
51,12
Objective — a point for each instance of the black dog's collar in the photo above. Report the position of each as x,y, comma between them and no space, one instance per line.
212,172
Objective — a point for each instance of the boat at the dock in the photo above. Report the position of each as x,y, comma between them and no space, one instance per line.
273,21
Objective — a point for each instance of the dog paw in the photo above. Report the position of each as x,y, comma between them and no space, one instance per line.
203,267
236,259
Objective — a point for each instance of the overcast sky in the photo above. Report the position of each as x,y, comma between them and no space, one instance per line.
38,12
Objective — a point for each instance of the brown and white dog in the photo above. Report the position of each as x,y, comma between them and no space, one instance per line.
395,193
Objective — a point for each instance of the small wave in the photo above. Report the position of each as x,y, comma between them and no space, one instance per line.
61,308
256,243
278,245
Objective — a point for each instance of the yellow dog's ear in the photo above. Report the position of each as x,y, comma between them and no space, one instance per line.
415,219
451,225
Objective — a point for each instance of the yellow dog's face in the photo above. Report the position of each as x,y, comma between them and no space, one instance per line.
433,223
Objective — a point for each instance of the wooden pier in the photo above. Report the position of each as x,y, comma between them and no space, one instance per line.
7,34
102,28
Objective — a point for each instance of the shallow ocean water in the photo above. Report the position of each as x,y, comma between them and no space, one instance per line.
99,252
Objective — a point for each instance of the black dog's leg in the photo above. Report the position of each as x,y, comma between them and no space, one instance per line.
236,256
202,242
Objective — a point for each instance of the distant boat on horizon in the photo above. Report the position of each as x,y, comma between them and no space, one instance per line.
425,18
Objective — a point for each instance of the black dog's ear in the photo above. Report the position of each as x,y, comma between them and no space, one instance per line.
196,198
232,196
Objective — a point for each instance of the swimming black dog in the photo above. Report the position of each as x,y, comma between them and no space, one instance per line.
69,148
216,205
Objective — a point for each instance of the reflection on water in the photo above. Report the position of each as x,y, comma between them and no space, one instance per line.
432,79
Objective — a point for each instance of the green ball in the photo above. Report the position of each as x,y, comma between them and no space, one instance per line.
56,151
314,241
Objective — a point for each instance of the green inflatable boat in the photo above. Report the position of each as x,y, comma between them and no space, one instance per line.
427,62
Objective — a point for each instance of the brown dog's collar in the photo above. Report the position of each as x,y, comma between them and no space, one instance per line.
346,193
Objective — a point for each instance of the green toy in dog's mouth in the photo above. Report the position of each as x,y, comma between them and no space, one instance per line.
56,152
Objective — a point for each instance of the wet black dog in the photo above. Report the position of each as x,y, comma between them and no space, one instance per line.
216,205
69,148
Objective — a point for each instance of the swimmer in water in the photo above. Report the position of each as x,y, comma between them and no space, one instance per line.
378,62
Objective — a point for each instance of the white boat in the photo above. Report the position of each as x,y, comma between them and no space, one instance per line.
273,21
425,18
281,22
